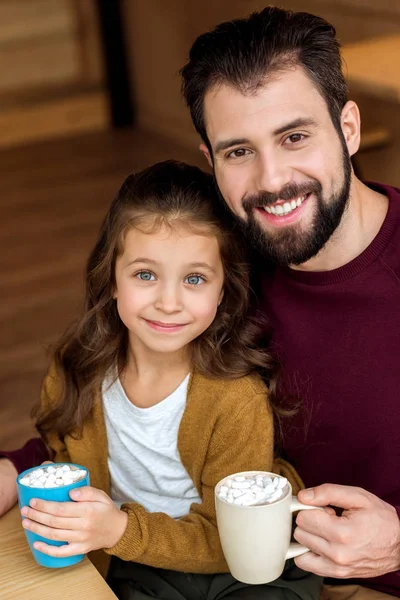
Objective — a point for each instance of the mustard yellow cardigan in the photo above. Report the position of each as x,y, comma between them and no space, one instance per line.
226,427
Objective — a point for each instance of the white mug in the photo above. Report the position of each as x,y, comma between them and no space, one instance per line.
256,539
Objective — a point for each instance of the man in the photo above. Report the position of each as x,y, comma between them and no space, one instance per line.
268,98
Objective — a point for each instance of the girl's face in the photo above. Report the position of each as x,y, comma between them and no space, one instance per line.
168,287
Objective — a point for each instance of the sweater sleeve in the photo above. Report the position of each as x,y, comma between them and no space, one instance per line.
32,454
242,440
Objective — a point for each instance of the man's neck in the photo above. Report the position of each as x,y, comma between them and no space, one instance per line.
360,224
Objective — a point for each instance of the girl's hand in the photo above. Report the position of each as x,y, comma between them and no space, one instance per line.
91,522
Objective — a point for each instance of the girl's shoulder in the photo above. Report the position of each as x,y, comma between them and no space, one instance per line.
236,391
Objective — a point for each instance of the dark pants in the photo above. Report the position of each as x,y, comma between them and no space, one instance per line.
132,581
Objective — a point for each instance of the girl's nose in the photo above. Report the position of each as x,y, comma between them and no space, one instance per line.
169,300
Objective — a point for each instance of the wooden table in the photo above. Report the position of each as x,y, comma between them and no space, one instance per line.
373,66
21,578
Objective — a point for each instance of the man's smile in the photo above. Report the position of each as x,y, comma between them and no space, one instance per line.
285,207
283,212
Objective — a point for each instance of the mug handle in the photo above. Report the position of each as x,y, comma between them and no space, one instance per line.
296,549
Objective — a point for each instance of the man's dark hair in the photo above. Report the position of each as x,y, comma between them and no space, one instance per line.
244,53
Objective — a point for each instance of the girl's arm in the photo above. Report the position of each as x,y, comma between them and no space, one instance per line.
242,440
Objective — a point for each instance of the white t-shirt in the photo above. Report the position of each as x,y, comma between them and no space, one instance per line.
143,457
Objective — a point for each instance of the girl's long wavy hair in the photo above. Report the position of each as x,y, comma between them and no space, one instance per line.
167,193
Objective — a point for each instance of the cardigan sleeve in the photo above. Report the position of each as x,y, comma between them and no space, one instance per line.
242,439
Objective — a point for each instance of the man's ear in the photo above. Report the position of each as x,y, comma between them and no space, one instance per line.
351,126
206,152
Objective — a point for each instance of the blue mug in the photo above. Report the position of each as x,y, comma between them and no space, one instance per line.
55,494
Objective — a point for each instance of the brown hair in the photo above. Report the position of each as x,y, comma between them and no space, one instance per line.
166,193
244,52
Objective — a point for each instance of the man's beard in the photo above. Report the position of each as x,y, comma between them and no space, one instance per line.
291,245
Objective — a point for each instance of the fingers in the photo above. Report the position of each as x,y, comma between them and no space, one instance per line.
58,535
329,510
49,519
319,523
69,509
343,496
320,565
58,509
60,551
89,494
321,544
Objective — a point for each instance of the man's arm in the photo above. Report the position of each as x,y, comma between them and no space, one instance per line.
363,542
14,462
8,486
32,454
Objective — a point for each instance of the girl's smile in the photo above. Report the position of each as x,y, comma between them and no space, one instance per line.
165,327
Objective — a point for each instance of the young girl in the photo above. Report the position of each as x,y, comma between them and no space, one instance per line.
154,391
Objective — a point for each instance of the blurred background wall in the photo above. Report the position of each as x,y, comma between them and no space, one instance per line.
52,77
89,91
159,34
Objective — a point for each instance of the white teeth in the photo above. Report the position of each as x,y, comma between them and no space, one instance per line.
286,208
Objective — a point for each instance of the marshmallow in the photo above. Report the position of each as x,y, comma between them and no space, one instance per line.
252,491
53,476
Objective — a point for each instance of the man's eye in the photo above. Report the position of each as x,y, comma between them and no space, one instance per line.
145,276
194,279
295,138
238,153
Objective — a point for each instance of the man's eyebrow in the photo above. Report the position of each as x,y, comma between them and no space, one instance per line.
300,122
225,144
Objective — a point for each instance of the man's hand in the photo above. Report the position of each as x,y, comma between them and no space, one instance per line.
8,485
91,522
363,542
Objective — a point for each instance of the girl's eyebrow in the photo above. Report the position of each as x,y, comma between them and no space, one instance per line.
195,265
201,265
147,261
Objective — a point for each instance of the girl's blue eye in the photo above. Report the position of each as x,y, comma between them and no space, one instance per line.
194,279
145,276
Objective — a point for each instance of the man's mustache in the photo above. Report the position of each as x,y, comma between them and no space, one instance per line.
289,192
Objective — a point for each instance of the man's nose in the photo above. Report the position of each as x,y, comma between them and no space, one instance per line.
273,172
169,299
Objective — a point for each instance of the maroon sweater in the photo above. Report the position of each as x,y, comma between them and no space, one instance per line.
338,337
337,334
